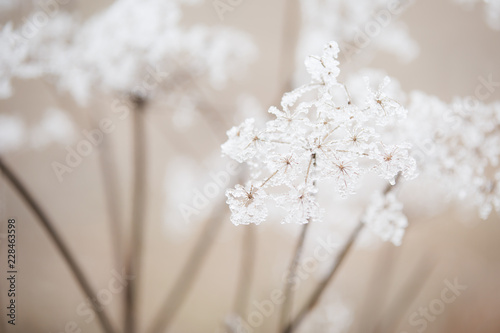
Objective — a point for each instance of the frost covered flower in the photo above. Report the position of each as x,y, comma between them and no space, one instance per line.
384,216
321,136
300,204
247,204
382,104
392,160
350,23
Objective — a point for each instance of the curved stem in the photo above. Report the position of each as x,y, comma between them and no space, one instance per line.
313,300
288,294
60,246
134,257
176,297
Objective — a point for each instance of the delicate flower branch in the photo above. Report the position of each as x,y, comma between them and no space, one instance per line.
60,245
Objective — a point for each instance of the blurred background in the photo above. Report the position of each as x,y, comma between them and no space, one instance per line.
379,286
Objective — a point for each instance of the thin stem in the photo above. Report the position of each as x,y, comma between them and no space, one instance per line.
176,297
61,246
246,270
134,257
110,184
107,169
288,45
408,293
288,294
269,178
313,157
379,282
313,300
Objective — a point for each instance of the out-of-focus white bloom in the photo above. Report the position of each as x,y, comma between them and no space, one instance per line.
363,26
320,136
14,53
491,10
12,133
131,47
384,216
334,317
55,126
459,146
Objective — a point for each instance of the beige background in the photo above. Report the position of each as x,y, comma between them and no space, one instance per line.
456,47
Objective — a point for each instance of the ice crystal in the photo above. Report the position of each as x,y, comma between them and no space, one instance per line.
247,204
319,135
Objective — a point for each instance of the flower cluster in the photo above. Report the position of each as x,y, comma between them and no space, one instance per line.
491,9
384,216
129,46
367,25
459,144
318,136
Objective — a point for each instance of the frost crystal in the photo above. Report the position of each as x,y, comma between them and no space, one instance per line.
247,204
384,216
320,135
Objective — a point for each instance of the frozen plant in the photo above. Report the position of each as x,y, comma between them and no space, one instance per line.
364,25
385,217
103,54
459,144
320,135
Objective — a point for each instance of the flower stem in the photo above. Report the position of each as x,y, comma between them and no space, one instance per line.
61,246
313,300
134,257
176,297
316,295
288,293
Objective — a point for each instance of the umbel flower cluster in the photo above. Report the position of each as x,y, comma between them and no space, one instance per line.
105,54
461,146
319,136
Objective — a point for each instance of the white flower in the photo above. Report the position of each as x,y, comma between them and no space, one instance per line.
12,132
247,204
383,107
384,216
324,69
345,171
300,204
243,141
319,135
392,160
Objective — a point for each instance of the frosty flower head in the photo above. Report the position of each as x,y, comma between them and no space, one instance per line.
461,146
247,204
325,68
319,136
385,217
